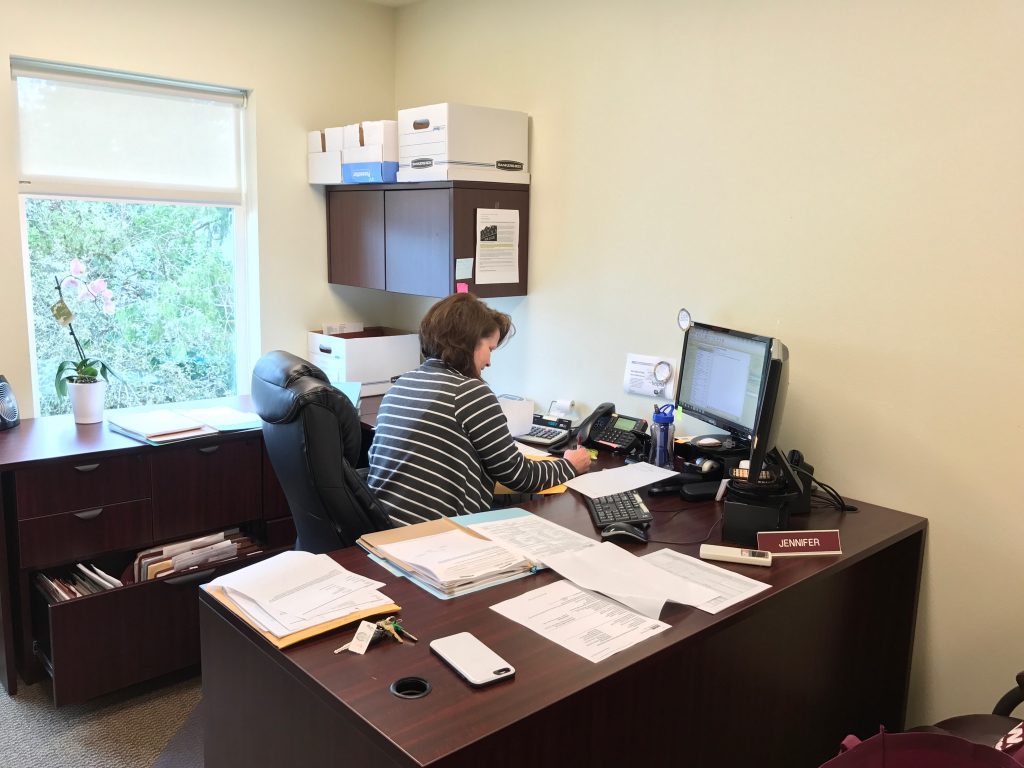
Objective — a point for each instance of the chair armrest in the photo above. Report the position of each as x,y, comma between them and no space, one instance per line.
1013,698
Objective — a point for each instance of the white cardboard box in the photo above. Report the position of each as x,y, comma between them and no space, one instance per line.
324,167
460,141
315,141
372,357
372,153
380,132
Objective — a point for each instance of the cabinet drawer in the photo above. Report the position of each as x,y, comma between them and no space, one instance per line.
83,484
102,642
206,486
55,539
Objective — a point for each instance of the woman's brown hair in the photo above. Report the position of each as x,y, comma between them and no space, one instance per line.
452,328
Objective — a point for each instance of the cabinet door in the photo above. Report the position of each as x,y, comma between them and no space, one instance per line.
418,225
465,203
202,487
355,238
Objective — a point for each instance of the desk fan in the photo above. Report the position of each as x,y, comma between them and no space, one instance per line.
8,406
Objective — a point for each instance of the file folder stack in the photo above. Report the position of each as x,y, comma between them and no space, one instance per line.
83,580
444,557
296,595
182,556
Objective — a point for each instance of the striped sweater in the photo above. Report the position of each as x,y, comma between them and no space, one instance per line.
441,442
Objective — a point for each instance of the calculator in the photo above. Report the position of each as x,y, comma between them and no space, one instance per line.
546,431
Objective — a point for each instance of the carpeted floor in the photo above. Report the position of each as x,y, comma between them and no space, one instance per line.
142,727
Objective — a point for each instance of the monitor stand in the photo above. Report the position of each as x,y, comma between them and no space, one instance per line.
727,447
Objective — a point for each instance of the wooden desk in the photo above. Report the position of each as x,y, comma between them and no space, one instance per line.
776,681
82,492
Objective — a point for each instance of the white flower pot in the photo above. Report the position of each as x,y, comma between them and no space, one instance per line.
87,401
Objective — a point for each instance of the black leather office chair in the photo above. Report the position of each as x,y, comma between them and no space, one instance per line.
312,435
985,729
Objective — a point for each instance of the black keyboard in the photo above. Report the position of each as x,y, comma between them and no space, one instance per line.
625,507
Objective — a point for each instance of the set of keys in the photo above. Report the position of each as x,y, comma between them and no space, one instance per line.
369,633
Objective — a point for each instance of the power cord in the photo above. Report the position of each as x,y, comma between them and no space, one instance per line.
707,536
831,497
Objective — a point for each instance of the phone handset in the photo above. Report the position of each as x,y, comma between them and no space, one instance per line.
604,410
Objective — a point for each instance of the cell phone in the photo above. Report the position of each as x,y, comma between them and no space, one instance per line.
473,660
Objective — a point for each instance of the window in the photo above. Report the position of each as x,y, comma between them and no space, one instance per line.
136,182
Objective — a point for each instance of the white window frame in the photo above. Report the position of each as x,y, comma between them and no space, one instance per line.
247,330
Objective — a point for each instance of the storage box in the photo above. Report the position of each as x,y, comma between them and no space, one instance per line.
339,137
324,167
382,132
376,164
372,357
442,142
315,141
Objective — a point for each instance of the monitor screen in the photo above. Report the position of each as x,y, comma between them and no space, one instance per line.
721,377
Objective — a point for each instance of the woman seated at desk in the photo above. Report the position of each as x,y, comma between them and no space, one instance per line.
442,439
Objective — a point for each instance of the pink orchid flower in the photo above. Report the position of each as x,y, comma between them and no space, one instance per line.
77,268
97,287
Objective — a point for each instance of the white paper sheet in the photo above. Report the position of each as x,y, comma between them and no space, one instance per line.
533,537
453,556
497,245
729,588
299,584
584,623
519,414
622,576
625,478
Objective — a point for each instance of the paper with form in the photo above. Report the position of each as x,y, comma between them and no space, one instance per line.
625,478
581,621
612,571
730,588
532,537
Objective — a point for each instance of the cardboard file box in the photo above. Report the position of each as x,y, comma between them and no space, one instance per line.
445,142
324,167
372,357
377,163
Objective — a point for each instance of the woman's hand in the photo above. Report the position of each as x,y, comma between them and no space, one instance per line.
579,458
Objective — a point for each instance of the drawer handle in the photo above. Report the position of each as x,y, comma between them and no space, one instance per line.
210,449
325,350
86,467
89,514
189,578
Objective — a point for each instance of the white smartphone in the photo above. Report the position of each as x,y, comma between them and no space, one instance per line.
473,660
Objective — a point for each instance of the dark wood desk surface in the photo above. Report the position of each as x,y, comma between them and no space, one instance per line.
778,680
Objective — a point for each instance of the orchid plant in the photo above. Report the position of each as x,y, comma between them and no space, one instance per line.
84,370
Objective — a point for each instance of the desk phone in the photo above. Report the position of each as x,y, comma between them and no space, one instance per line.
613,431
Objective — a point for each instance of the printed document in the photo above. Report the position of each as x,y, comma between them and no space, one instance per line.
729,588
625,478
532,537
584,623
295,590
497,245
622,576
453,557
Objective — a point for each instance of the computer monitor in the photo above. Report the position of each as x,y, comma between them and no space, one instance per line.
737,382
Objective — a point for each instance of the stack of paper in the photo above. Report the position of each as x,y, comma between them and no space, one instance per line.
443,556
163,425
295,595
181,556
83,580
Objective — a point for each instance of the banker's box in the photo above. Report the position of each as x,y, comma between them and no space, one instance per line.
452,142
372,357
324,167
372,164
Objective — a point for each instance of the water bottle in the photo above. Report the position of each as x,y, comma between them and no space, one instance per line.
663,436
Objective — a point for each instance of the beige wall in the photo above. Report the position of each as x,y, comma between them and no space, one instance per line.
309,63
847,176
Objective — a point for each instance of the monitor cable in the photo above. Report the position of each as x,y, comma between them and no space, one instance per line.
718,521
830,496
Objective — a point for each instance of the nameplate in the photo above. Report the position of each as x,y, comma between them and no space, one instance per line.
790,543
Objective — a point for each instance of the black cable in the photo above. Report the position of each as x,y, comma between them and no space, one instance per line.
835,499
685,543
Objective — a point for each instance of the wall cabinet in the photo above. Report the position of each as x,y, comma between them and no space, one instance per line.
411,238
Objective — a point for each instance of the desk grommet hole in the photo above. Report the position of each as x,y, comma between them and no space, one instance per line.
410,688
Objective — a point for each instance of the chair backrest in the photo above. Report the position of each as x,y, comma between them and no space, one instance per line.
312,435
